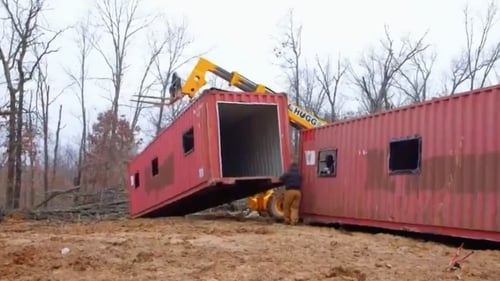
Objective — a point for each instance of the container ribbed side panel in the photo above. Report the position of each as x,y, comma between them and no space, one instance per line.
268,160
459,183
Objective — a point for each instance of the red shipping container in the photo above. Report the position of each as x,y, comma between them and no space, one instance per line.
224,146
432,167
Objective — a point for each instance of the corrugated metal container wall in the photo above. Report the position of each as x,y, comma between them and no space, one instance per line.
454,146
176,170
223,124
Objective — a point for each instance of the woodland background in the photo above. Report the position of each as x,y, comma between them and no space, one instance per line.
36,163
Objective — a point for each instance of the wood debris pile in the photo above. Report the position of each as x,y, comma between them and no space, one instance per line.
107,204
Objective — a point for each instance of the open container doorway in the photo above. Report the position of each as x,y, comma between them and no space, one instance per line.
249,139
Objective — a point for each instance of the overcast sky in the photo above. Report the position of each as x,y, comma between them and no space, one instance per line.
239,35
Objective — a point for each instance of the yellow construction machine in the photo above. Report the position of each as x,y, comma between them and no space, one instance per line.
268,202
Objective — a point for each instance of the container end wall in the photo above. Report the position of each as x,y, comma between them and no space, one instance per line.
250,143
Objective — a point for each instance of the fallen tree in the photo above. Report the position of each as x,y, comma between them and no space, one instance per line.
96,211
53,194
105,204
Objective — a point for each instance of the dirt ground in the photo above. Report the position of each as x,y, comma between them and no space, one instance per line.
214,249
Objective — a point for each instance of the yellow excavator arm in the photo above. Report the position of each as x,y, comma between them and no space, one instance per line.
299,118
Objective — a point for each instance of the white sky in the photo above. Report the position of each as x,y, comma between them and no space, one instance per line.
239,36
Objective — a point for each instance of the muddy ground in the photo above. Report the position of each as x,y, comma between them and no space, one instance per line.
223,249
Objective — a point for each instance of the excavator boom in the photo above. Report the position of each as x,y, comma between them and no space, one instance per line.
299,118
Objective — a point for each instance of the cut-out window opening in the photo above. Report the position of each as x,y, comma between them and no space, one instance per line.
188,141
136,180
405,155
154,166
327,163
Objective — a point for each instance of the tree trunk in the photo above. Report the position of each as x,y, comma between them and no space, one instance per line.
56,146
11,153
45,110
32,155
32,180
19,149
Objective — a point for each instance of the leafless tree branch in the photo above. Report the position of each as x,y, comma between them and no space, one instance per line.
330,81
83,41
313,95
25,42
288,52
173,56
378,70
478,58
121,22
414,78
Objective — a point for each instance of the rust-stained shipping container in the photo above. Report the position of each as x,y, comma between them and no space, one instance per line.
224,146
432,167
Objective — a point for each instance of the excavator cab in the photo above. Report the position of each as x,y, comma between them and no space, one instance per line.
175,86
175,91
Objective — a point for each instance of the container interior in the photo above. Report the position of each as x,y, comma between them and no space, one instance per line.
249,136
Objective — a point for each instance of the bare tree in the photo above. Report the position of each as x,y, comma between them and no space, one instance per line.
44,96
32,132
330,81
68,163
84,46
55,164
478,59
459,73
414,78
289,54
19,60
313,95
174,56
144,85
378,71
43,92
121,22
